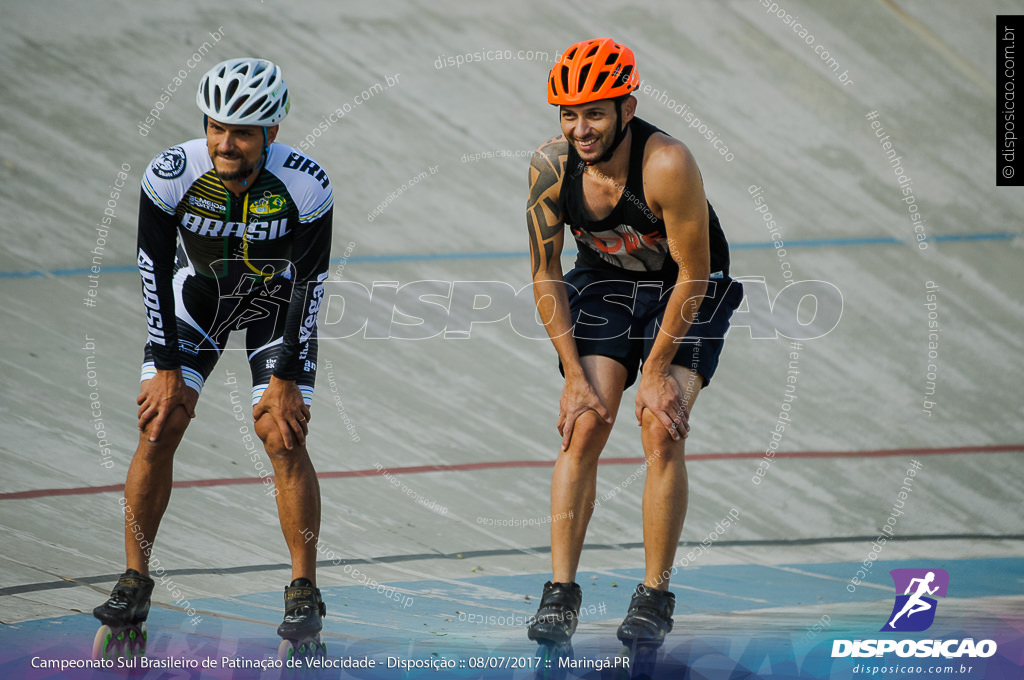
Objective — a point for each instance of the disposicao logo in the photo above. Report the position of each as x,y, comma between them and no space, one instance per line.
914,610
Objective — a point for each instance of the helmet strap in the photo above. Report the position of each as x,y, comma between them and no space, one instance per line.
266,148
620,134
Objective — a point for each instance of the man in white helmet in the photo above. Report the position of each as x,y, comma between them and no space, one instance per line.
234,233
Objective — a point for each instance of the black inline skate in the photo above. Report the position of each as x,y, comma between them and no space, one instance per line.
304,610
643,631
123,615
553,626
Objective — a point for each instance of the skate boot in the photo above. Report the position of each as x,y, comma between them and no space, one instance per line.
123,615
649,618
644,629
300,630
553,626
558,614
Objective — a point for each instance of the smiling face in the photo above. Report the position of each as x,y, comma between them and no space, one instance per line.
236,149
591,128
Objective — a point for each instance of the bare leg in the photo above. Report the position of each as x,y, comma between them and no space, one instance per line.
666,490
147,489
574,481
298,498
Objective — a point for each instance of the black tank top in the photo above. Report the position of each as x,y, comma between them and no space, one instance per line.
631,240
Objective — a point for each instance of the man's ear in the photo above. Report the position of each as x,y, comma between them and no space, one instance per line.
628,109
272,133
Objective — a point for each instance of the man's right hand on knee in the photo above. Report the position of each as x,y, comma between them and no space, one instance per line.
160,396
578,397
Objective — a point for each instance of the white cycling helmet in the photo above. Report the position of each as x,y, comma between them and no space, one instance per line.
244,92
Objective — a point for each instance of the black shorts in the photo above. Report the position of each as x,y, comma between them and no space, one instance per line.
620,319
206,316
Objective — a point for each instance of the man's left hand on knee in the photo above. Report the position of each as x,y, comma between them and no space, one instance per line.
282,402
660,394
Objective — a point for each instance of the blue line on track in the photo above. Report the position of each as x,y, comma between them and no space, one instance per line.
398,614
494,255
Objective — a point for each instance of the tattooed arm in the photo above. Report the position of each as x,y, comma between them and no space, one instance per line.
543,212
546,226
547,234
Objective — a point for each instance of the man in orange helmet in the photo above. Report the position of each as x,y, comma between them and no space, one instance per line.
651,286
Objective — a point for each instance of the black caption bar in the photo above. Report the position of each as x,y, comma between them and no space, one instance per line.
1009,156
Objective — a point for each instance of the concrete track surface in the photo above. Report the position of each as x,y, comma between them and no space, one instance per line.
442,559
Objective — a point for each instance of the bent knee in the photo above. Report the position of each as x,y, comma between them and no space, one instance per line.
589,434
269,433
173,427
273,442
591,426
657,438
171,432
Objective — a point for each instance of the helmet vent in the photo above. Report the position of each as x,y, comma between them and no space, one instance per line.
238,104
584,72
255,106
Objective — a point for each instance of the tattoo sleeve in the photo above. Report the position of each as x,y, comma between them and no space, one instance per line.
543,214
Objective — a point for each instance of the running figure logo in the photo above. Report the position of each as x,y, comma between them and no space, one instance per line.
916,586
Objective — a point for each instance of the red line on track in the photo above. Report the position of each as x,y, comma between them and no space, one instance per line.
499,464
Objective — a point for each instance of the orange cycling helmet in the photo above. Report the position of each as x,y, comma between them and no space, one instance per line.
591,70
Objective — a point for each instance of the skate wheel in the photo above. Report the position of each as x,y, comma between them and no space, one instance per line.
637,660
549,655
292,653
127,642
285,651
101,643
138,636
